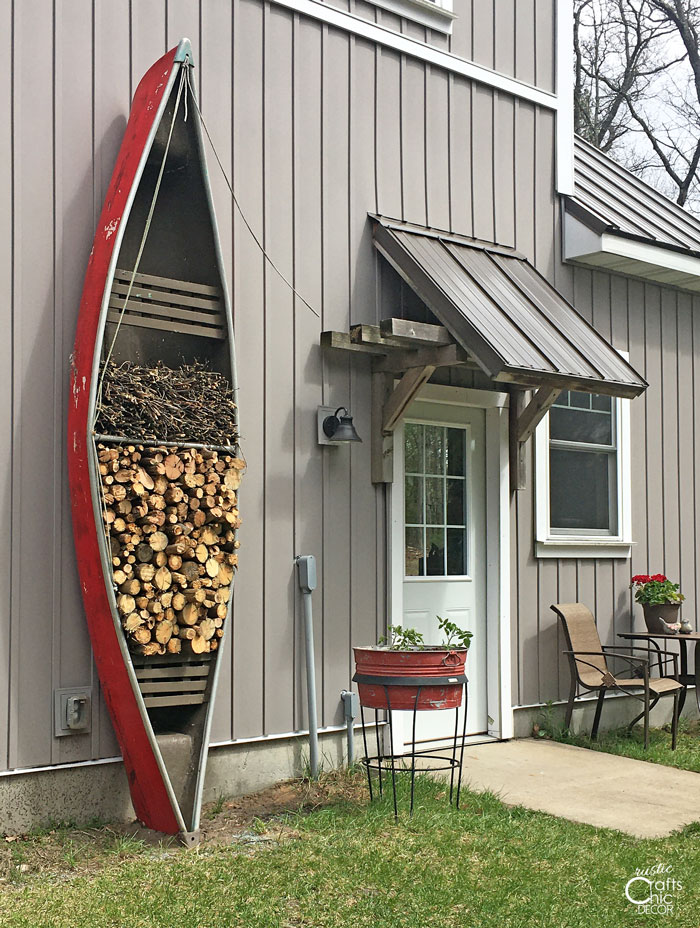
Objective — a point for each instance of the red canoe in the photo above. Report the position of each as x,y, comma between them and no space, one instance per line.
175,251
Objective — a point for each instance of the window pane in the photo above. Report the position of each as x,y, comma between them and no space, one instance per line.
435,560
455,451
434,501
413,442
603,403
414,500
593,427
414,551
580,490
434,449
455,502
580,400
456,551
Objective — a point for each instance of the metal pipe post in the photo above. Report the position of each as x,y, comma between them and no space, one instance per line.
306,565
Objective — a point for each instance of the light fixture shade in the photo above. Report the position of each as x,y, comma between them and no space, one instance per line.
337,427
345,430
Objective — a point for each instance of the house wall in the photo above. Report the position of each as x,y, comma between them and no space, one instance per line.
317,127
660,327
513,37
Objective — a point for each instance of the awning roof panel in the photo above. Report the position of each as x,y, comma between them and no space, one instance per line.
503,312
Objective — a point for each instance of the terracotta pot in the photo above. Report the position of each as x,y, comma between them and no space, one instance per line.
658,616
444,665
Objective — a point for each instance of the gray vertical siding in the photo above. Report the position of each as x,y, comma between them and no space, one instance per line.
317,128
659,327
513,37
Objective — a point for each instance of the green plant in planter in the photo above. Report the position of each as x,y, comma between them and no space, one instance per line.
403,639
656,590
455,637
408,639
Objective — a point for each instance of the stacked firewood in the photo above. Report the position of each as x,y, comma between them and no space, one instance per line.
171,518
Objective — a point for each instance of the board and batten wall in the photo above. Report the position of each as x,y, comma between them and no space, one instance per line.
513,37
317,128
660,328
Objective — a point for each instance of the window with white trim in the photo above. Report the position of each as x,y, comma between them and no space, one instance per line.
583,478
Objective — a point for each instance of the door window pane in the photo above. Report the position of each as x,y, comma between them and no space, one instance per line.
456,452
456,552
434,501
435,552
414,501
435,496
434,449
414,551
413,445
455,502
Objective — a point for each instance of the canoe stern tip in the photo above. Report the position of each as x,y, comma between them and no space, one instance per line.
184,51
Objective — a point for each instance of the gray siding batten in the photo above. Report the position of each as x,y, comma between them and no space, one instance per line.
216,96
8,408
35,432
248,644
308,373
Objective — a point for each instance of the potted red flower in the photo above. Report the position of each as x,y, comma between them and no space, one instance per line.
660,599
406,655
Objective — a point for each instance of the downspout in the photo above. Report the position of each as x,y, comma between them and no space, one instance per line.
306,569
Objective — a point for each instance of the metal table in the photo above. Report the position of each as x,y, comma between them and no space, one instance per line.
396,763
687,679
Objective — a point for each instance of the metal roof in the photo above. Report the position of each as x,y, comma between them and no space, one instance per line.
609,198
495,304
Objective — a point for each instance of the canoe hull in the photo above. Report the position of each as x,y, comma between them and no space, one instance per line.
151,792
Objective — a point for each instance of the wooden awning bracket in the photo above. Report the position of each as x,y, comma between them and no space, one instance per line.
524,419
412,351
398,348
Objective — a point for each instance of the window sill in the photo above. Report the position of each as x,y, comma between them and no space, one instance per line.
583,547
424,12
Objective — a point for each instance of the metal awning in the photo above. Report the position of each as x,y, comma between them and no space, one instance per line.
498,308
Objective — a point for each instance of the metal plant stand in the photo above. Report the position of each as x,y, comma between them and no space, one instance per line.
389,765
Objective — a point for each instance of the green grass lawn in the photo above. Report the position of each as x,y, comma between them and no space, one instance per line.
631,744
348,864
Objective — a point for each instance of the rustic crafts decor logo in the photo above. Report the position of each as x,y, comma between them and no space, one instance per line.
652,890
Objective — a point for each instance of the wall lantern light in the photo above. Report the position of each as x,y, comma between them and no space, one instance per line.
335,426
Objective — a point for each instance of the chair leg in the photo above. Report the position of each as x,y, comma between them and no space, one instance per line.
570,705
596,717
646,719
674,722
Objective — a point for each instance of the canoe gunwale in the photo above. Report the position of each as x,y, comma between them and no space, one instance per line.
188,831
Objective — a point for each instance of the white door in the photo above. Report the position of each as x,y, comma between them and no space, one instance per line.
441,480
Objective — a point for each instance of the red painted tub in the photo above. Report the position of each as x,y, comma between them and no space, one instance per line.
443,666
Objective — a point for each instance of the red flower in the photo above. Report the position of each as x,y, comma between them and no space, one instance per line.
659,578
643,578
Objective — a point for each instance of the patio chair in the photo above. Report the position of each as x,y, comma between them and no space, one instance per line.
588,662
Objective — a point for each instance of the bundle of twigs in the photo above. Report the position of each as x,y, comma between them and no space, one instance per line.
188,403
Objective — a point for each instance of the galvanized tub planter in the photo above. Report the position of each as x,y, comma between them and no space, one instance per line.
155,299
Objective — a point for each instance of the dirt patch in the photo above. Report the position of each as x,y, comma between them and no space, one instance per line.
253,821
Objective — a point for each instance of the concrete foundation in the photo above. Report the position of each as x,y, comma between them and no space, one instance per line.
99,791
617,711
82,793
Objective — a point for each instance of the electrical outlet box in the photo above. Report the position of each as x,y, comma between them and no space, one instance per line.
72,711
306,565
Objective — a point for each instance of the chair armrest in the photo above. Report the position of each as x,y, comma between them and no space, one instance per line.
624,657
655,658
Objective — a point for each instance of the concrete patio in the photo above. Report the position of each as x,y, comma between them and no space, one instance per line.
642,799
